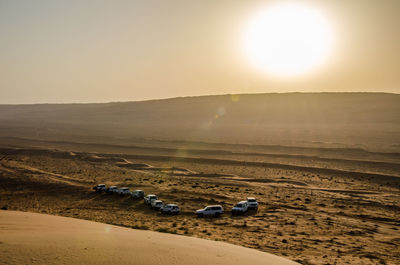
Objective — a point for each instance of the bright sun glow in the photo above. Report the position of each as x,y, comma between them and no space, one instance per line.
288,39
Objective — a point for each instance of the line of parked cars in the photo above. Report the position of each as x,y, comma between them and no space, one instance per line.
240,208
119,191
152,200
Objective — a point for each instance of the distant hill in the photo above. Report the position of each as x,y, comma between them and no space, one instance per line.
341,119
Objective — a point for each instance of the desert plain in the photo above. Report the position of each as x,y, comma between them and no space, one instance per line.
330,194
347,213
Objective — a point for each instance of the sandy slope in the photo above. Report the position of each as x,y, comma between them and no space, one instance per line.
31,238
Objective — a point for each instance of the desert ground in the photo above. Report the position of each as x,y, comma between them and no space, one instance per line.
317,205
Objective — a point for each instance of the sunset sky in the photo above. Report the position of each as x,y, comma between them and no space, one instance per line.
101,51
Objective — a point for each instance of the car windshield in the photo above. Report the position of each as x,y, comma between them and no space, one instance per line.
239,205
251,200
158,203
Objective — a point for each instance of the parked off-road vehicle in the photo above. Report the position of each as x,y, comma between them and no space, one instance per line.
149,198
253,204
156,204
137,194
123,191
240,208
211,210
100,188
111,189
170,209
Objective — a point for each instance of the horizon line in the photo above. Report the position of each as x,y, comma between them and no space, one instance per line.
197,96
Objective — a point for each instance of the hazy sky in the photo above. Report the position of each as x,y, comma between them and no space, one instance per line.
100,51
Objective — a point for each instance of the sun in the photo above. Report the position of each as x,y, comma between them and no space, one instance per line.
288,39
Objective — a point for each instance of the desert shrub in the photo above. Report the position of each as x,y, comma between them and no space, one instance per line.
141,227
162,230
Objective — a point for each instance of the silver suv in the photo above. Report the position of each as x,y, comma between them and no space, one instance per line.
170,209
137,194
211,210
149,198
100,187
253,204
123,191
157,204
110,190
240,208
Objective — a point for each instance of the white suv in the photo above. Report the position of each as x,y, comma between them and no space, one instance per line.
149,198
170,209
100,187
240,207
123,191
156,204
253,204
137,194
111,190
211,210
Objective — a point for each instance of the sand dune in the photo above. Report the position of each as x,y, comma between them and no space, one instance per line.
31,238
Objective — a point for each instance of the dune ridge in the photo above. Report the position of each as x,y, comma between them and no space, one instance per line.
31,238
354,120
